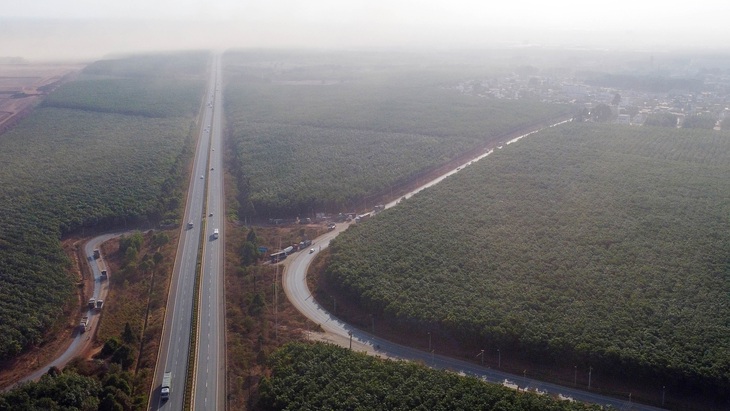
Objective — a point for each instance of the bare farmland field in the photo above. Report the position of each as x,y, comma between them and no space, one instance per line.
23,86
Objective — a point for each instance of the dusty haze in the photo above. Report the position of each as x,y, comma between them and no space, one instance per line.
88,30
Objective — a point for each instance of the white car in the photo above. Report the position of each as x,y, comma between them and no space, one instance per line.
201,176
311,250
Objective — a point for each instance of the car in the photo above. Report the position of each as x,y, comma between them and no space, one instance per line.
311,250
210,215
201,176
211,168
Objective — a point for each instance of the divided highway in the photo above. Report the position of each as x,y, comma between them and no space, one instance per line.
343,334
209,390
175,345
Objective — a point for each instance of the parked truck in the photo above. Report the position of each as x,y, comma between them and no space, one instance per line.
96,253
104,275
84,325
165,389
99,305
92,303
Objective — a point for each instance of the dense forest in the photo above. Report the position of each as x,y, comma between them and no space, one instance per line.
322,132
326,377
585,244
97,154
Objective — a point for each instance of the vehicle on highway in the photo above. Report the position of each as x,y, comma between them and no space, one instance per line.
311,250
201,176
210,215
215,233
190,224
165,388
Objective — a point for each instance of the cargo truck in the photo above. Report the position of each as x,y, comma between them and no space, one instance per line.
84,325
92,303
96,253
165,389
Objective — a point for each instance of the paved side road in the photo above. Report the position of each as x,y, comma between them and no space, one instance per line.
80,342
346,335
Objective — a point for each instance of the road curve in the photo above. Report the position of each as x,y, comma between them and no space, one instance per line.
343,334
80,341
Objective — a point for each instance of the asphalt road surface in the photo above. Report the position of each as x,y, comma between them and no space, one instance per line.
209,393
80,341
341,333
175,345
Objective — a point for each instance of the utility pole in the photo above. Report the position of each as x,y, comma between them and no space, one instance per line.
590,369
429,340
350,334
499,358
575,376
482,354
664,390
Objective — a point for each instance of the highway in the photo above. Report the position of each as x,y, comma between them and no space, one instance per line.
175,345
341,333
209,391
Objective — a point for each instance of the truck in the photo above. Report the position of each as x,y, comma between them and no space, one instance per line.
97,254
92,303
84,325
99,304
104,275
276,257
165,388
215,233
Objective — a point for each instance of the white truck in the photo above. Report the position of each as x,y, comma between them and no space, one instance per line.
215,233
165,389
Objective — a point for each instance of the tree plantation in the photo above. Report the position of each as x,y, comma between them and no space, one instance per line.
327,377
585,244
98,154
321,132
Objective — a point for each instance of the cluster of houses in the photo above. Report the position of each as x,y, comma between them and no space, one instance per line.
630,106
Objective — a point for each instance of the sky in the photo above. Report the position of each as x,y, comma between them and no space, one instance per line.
92,28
